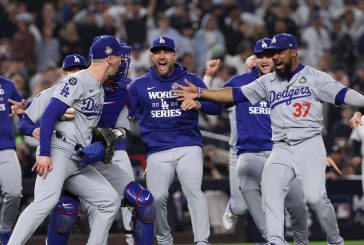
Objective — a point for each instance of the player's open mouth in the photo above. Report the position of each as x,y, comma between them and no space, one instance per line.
162,66
279,65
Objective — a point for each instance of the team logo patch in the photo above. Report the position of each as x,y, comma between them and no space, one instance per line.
72,81
302,80
108,50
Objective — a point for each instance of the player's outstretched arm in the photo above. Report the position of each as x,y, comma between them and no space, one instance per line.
192,92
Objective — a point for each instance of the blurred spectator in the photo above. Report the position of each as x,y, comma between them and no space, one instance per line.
88,30
108,27
23,42
136,19
19,82
206,39
317,39
341,129
47,50
7,20
164,29
244,50
48,17
358,78
216,199
188,60
140,59
70,40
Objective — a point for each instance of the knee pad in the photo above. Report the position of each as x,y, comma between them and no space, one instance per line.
144,212
64,217
137,196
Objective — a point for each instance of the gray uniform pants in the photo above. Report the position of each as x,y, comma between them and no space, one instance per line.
162,166
85,182
237,203
249,169
305,161
10,182
119,173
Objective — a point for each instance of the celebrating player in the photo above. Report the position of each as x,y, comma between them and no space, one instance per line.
57,161
118,173
170,132
10,172
254,145
295,92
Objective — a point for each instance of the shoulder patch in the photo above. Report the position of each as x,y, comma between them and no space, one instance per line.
72,81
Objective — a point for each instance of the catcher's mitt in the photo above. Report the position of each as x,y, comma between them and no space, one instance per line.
109,138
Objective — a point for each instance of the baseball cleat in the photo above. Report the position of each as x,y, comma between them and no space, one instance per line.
229,219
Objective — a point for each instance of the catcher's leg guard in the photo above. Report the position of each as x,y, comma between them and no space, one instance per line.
144,212
64,217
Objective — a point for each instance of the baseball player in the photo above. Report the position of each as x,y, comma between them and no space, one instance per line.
170,133
295,93
254,144
10,172
58,143
114,115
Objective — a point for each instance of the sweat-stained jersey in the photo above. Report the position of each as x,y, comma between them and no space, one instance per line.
163,124
296,105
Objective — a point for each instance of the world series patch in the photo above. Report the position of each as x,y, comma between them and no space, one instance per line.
72,81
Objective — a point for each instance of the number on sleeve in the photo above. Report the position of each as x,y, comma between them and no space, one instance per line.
65,90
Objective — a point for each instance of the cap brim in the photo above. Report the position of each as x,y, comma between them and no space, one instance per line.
155,49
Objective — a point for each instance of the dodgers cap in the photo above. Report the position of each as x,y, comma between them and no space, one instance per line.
74,60
163,43
105,46
283,41
261,45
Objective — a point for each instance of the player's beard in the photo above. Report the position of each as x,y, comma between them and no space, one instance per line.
283,74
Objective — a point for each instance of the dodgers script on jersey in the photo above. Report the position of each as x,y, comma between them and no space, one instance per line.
82,92
296,103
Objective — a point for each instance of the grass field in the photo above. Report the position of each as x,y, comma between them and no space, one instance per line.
311,243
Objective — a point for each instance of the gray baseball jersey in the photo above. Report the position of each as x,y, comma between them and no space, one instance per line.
296,115
296,106
82,92
119,173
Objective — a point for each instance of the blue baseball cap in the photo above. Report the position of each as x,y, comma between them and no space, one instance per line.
163,43
283,41
104,46
74,60
261,45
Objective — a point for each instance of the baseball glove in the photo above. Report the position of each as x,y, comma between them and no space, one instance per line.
109,138
92,153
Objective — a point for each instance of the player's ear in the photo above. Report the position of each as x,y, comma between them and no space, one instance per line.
294,52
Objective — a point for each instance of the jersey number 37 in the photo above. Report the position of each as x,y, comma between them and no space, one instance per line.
301,109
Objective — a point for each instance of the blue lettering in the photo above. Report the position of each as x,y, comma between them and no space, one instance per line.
287,95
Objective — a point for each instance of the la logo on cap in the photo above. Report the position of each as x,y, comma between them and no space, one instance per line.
161,40
76,59
264,45
274,40
108,50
